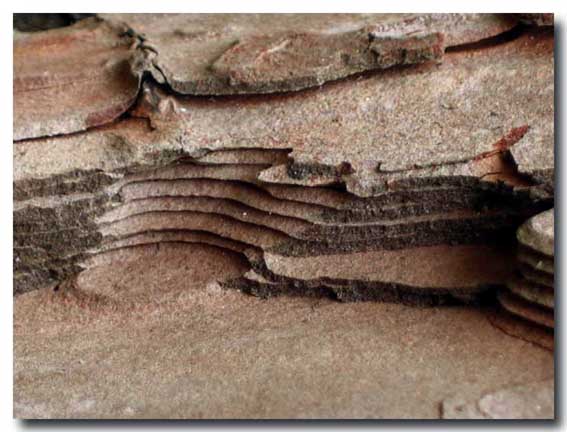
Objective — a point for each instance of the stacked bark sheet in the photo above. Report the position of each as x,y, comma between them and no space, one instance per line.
530,295
404,185
319,240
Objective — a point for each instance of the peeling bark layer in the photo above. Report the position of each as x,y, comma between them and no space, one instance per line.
219,54
71,79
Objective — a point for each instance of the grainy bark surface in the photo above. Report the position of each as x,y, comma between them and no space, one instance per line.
164,162
208,353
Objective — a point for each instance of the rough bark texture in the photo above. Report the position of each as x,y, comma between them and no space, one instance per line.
367,157
273,172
